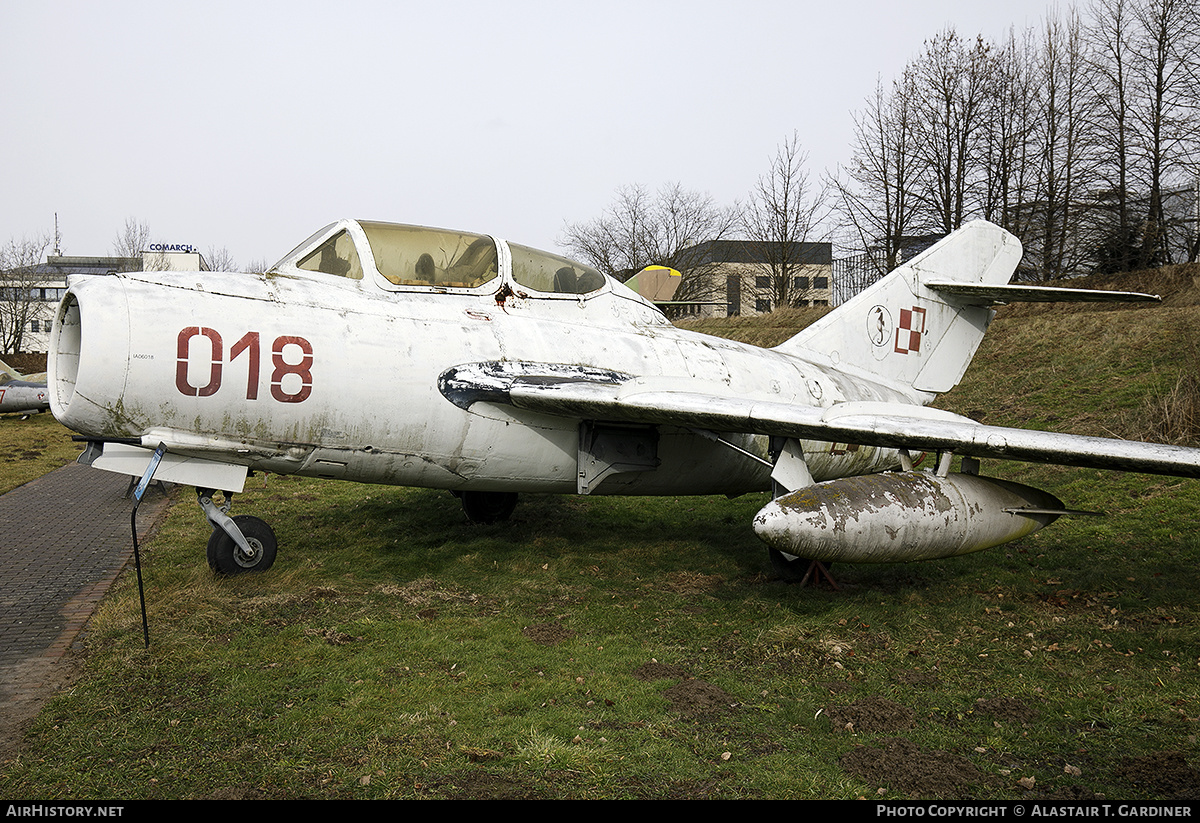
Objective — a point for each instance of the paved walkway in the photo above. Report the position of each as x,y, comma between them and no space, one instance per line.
64,538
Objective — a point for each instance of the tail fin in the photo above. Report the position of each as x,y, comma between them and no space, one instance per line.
8,373
903,331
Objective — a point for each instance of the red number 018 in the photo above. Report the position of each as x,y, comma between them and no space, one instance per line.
249,345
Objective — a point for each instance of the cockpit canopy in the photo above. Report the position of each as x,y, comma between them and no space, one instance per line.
416,257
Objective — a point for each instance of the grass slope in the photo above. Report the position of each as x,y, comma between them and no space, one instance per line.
32,446
628,648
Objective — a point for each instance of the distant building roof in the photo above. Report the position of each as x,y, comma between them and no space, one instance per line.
755,251
61,265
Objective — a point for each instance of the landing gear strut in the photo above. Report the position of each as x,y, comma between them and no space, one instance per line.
488,507
238,544
800,569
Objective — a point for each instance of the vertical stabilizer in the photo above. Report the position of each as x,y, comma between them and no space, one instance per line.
902,332
8,373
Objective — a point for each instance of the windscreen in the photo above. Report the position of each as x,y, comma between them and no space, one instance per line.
547,272
336,256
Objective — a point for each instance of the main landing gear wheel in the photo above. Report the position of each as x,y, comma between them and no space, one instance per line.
488,507
800,569
224,556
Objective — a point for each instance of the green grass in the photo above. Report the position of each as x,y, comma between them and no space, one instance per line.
31,447
641,648
761,330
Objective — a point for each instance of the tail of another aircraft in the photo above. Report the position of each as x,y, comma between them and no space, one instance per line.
8,373
920,325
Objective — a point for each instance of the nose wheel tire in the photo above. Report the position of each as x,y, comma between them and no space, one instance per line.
225,557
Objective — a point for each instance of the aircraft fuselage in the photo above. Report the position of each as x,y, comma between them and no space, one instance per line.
323,376
406,355
23,396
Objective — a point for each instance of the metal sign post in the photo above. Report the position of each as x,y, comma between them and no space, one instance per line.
140,490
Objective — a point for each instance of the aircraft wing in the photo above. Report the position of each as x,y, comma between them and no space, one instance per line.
589,394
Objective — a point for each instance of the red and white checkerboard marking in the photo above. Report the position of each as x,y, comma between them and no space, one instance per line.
908,333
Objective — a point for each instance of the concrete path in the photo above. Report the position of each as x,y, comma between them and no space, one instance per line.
64,538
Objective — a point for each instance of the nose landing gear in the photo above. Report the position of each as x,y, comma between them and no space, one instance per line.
238,544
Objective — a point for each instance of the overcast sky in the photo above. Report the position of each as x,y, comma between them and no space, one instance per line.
249,125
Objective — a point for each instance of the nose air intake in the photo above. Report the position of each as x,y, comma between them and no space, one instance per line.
62,364
87,365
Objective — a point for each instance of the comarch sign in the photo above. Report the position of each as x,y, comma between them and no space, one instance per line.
175,247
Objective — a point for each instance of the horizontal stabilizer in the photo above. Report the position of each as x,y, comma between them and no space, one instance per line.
983,294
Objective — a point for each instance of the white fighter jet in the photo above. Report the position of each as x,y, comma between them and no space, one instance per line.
396,354
24,393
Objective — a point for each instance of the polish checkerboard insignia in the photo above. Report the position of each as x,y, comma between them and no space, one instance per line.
909,330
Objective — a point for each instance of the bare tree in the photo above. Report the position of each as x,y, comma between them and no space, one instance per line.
665,229
874,192
220,259
782,216
1080,139
258,266
1109,36
951,86
20,283
1065,169
1008,140
133,241
1164,59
